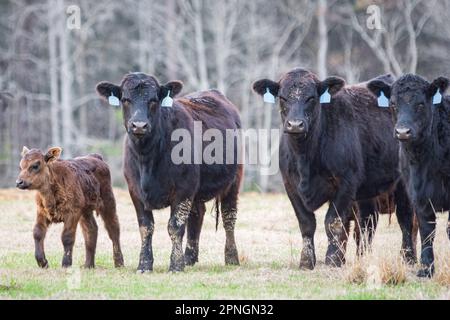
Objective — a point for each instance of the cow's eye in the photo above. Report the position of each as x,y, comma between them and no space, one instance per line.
35,166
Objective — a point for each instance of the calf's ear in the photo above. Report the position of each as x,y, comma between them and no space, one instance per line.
52,154
25,150
261,87
378,86
440,83
333,84
174,87
106,89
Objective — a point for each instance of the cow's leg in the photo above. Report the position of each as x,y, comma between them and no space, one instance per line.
337,224
427,227
194,226
405,217
90,232
108,213
307,223
68,237
176,227
39,232
367,222
146,228
228,208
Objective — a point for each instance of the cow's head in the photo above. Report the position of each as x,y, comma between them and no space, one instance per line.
411,99
140,96
34,172
299,94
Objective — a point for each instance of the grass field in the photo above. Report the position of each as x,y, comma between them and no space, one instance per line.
269,245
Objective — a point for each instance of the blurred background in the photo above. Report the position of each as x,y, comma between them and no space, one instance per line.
53,52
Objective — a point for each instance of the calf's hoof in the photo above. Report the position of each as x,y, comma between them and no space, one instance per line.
89,265
142,271
426,272
145,267
174,268
190,256
334,259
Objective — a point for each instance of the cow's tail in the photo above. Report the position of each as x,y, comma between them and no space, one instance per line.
216,204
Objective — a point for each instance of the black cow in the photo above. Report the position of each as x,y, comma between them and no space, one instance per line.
155,181
337,152
422,116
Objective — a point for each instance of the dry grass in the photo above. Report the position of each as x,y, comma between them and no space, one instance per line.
269,245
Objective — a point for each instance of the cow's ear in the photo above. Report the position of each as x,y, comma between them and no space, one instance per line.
25,150
106,89
52,154
378,86
440,83
333,84
261,87
174,87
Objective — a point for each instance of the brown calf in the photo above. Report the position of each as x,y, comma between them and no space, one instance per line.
68,191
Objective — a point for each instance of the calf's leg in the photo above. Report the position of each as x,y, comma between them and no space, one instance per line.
39,232
111,221
176,228
90,232
68,238
194,226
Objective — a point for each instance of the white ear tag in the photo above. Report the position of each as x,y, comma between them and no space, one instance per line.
113,100
383,102
325,97
437,98
167,101
268,97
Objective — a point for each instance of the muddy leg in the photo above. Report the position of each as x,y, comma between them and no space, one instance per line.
176,228
405,217
194,226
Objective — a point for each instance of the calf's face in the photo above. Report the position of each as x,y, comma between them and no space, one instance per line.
140,96
299,94
411,99
34,172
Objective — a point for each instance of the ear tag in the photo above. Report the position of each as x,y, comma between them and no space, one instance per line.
325,97
113,100
383,102
437,98
167,101
268,97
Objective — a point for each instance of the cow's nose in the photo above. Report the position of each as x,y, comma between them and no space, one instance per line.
403,133
19,183
139,128
295,126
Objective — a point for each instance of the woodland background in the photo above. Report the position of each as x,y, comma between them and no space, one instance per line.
51,70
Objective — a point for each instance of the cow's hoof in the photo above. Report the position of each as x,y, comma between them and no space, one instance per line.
43,263
334,260
307,263
409,258
425,273
176,269
231,256
89,266
142,271
118,262
190,256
